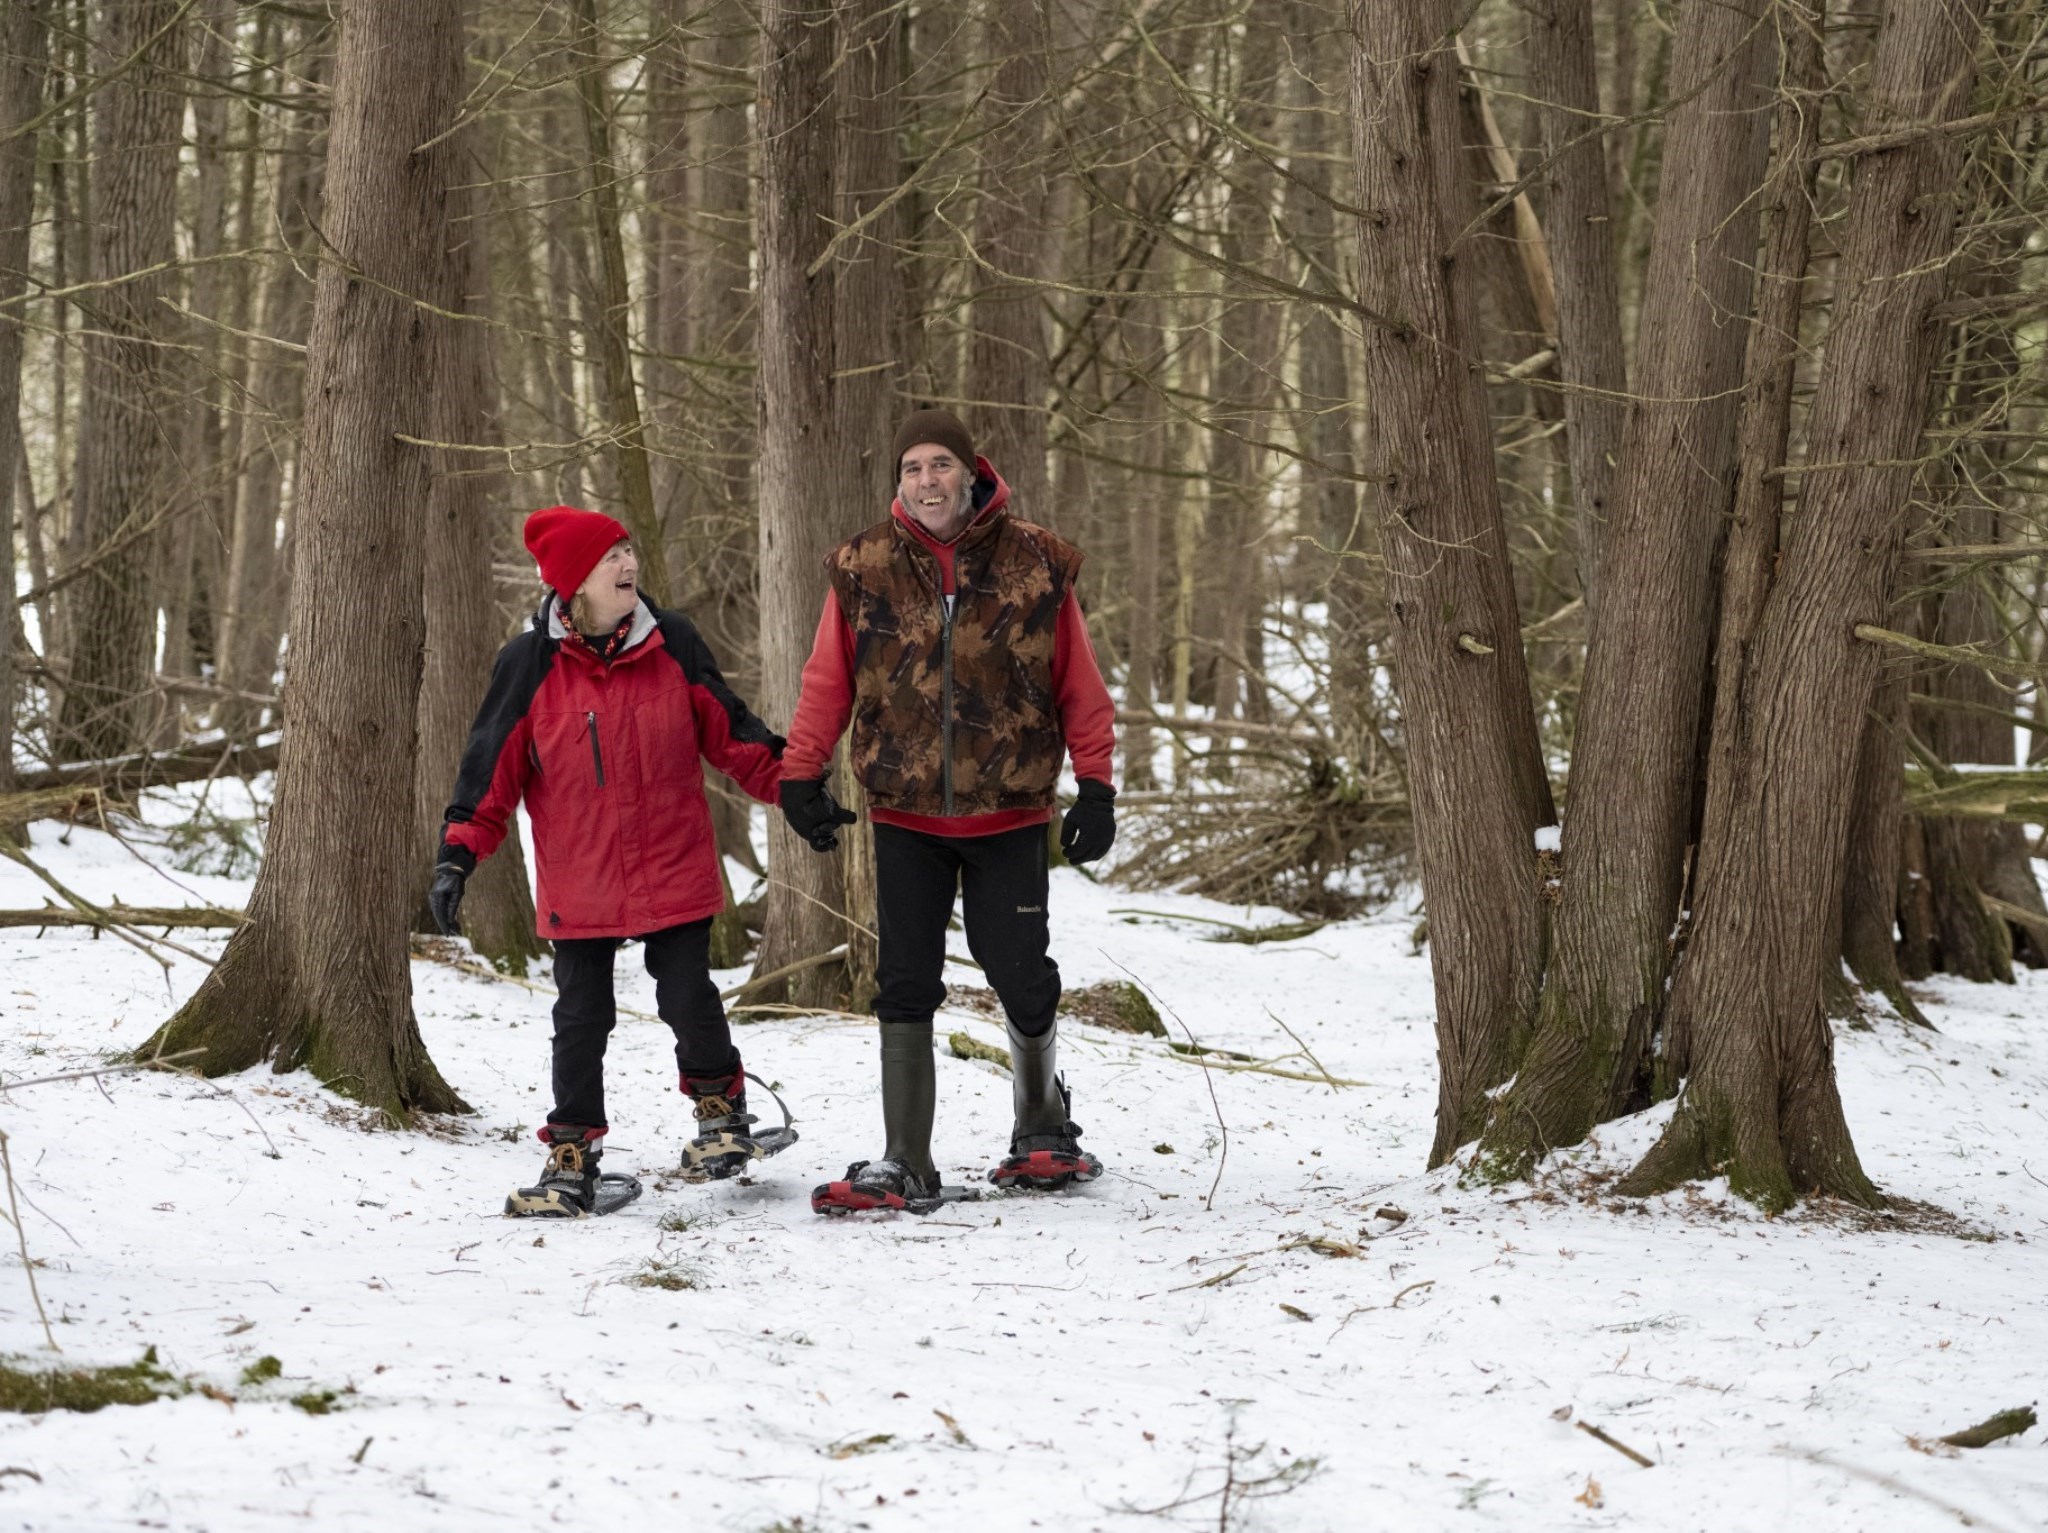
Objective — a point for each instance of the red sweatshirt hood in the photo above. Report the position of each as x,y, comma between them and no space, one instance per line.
990,495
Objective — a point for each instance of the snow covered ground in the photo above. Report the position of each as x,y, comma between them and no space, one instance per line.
1126,1357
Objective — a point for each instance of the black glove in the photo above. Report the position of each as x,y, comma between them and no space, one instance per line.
814,813
1090,828
444,896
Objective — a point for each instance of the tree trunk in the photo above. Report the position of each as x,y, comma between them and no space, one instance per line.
1870,884
320,976
1332,511
200,474
1477,784
1564,76
1006,371
666,242
125,456
719,537
463,630
1761,1104
1764,424
24,52
256,580
615,311
1633,759
867,329
804,477
1247,370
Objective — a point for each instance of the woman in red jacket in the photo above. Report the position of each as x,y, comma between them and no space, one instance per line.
600,716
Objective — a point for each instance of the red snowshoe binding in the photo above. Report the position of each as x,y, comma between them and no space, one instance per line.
904,1179
1045,1153
878,1186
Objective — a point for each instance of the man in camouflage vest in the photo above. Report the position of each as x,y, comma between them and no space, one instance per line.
952,642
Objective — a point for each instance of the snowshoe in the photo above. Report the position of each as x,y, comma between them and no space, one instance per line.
1047,1169
570,1185
1045,1153
726,1142
884,1186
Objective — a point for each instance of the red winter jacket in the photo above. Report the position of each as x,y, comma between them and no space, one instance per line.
609,759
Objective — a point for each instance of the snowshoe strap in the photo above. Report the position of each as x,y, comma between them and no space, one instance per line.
784,1106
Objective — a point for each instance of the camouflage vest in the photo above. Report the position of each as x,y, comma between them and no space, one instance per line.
955,717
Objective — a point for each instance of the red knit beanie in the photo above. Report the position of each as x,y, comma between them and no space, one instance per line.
568,543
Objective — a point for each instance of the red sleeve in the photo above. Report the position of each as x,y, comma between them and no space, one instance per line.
754,767
1087,714
826,702
484,829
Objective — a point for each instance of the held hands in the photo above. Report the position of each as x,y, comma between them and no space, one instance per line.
1089,828
444,895
814,813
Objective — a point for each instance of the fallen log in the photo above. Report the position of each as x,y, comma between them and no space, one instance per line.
2005,1424
124,915
82,802
156,769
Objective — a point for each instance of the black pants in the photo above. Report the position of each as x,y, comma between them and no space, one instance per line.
679,958
1002,883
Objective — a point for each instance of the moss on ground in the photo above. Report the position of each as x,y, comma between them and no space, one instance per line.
1116,1004
86,1389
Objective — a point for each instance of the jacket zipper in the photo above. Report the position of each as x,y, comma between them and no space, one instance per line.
596,754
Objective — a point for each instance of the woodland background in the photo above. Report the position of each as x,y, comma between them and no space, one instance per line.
1469,411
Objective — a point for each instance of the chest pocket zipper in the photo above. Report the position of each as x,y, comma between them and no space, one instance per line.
596,751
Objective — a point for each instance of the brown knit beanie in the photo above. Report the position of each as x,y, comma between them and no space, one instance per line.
942,428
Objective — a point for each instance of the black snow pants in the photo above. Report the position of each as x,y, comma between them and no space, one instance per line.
1002,882
679,958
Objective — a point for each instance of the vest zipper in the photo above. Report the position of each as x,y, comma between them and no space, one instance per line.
596,754
946,700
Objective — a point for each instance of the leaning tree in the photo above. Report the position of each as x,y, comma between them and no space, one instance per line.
319,975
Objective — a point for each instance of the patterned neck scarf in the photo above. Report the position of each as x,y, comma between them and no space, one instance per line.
605,646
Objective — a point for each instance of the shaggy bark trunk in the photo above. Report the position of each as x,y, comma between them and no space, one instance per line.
1247,370
1006,371
320,975
463,629
125,455
720,538
614,314
24,52
1973,943
1332,511
1477,784
199,475
256,579
666,243
1870,884
1761,1104
803,473
867,327
1634,752
1564,75
1764,425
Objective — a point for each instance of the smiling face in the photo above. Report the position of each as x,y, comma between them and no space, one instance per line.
937,489
610,592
